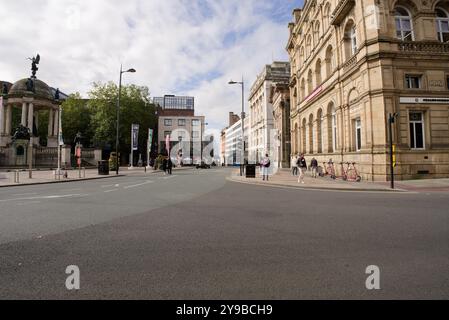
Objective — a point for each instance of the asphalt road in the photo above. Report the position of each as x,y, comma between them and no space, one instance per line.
197,236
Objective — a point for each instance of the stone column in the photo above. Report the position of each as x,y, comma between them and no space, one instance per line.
36,119
2,117
50,123
24,114
30,117
56,123
8,120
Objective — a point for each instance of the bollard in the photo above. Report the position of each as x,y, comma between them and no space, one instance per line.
16,176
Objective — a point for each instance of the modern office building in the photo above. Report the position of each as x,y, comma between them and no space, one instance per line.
356,62
176,119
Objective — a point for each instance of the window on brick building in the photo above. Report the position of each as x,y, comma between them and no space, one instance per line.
413,81
416,119
404,24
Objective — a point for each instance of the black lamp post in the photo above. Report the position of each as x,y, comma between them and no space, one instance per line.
391,121
118,116
242,161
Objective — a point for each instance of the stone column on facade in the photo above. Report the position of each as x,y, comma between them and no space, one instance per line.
50,123
23,121
30,116
2,117
340,129
325,133
8,120
36,119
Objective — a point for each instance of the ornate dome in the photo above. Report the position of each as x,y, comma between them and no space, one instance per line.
42,90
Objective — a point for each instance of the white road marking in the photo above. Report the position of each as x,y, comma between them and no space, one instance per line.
138,185
110,185
45,197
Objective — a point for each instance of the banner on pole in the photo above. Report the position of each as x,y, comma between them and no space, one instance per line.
150,139
60,137
167,143
135,137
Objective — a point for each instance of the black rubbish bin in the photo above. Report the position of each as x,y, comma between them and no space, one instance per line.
103,168
250,170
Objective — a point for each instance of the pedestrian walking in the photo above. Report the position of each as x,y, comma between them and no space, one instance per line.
169,166
295,165
302,165
164,165
266,163
314,166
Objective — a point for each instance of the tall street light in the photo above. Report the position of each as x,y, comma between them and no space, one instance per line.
242,161
118,116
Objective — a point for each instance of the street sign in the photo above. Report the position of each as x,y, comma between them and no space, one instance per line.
394,156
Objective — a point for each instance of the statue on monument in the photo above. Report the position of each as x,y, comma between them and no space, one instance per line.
21,133
30,85
34,62
5,89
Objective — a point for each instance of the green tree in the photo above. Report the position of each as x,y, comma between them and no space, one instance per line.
77,117
135,107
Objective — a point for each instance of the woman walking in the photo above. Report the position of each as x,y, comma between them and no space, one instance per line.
302,164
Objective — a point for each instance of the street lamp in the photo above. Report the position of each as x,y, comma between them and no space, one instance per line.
118,116
391,121
242,162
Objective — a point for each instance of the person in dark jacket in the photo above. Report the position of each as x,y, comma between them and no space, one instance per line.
164,165
302,165
169,166
314,166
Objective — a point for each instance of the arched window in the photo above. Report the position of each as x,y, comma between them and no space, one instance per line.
404,24
332,128
309,82
319,134
301,56
326,16
304,137
303,90
329,61
350,39
311,134
318,72
316,32
308,46
442,24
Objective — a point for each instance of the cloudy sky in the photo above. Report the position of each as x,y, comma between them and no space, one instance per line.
183,47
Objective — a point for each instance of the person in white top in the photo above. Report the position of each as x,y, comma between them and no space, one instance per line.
266,163
295,165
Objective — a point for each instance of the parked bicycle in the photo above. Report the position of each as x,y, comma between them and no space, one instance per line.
329,169
350,173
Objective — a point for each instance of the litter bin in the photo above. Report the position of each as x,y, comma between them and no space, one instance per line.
103,168
251,171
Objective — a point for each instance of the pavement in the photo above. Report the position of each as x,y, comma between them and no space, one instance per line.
196,235
49,176
284,178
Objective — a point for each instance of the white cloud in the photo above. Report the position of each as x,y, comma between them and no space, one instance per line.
177,46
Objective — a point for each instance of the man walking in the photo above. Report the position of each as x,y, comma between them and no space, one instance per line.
295,165
302,164
314,166
169,166
266,163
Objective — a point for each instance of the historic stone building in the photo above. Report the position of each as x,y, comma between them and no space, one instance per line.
261,111
354,63
280,99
